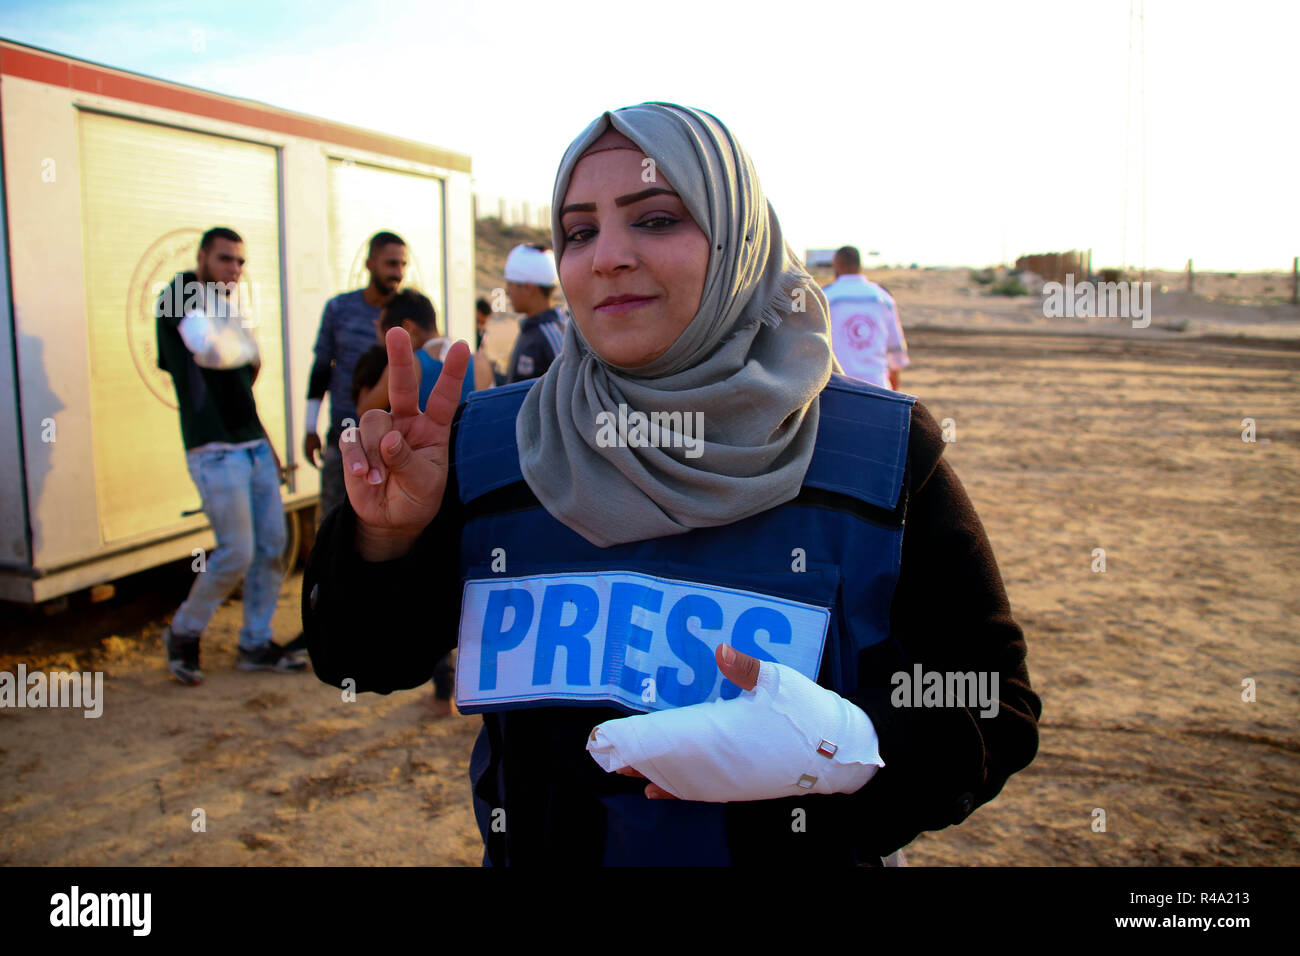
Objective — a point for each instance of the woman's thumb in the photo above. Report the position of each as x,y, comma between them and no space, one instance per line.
396,452
740,669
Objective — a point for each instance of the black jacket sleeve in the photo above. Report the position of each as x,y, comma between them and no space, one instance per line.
533,346
543,354
950,613
319,382
384,624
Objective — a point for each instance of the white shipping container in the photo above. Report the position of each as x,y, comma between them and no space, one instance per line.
108,181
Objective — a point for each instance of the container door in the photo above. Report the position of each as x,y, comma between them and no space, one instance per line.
364,200
149,193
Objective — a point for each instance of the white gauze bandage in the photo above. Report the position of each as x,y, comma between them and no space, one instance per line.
762,745
531,266
218,338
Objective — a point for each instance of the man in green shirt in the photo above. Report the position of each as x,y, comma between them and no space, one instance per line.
206,343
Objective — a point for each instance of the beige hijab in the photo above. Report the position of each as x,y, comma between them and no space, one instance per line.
753,361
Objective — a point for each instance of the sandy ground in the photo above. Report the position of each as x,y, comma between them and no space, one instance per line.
283,769
1065,444
1251,304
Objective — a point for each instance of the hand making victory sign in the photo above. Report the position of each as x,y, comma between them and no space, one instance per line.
395,462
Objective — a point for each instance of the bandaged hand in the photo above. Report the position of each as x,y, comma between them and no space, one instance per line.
783,736
218,341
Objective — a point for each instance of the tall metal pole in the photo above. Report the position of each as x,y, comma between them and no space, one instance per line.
1142,113
1128,134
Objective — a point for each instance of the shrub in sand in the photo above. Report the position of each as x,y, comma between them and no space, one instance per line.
1011,285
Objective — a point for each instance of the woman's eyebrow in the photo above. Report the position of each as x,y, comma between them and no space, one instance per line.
643,194
621,200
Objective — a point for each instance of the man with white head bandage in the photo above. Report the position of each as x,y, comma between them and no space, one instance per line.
530,281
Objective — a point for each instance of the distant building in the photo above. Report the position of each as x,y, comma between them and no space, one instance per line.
1055,266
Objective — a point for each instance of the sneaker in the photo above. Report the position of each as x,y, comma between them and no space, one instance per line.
272,657
297,649
183,657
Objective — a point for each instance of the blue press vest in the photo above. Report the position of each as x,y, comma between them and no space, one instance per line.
848,521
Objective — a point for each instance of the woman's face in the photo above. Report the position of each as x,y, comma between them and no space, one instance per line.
634,260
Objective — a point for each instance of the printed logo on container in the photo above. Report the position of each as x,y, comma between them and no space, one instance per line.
634,640
173,252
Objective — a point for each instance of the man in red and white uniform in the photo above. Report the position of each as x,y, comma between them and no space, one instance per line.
865,331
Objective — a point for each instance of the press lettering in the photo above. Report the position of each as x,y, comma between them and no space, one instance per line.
772,622
553,634
498,638
621,633
691,650
543,639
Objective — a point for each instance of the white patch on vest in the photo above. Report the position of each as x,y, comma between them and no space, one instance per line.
599,636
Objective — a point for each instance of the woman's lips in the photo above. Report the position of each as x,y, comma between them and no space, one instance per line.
627,305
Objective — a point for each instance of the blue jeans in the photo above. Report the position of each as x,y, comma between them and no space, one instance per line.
241,497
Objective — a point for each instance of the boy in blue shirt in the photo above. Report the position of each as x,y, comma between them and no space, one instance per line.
414,312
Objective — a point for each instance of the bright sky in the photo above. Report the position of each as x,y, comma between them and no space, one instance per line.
941,133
